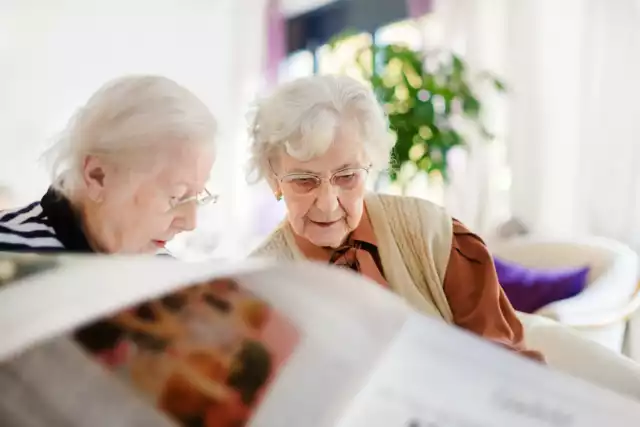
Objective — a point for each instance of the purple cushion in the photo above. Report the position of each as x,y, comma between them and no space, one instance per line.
529,289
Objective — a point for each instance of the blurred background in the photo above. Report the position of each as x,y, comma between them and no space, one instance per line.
524,119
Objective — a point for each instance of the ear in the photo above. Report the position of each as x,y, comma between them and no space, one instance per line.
274,185
94,176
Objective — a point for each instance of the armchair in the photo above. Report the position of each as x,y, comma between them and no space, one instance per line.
601,311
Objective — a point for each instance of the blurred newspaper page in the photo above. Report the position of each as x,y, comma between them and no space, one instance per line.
434,376
230,344
218,345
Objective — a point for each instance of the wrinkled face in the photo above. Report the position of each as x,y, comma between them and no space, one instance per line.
137,208
325,196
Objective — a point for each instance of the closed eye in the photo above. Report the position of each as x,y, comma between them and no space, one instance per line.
347,175
305,184
303,180
349,178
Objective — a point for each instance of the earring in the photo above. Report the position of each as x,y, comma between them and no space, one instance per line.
278,194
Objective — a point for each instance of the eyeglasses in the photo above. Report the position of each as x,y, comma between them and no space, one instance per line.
202,199
345,179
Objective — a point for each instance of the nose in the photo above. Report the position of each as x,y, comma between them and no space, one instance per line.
186,220
327,198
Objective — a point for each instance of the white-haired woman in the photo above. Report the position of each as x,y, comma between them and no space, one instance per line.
127,173
315,140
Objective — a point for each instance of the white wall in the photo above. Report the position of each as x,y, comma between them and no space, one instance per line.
55,53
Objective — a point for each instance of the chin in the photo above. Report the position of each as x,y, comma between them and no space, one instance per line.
332,237
327,241
149,249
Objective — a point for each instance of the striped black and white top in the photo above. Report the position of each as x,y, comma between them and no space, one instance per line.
48,225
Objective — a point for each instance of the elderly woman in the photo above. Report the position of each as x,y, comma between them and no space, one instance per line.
316,140
127,173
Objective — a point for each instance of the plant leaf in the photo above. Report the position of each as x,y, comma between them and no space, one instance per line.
499,85
484,132
471,106
423,114
335,41
416,96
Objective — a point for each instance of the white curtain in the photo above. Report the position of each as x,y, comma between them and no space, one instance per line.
568,123
476,30
574,154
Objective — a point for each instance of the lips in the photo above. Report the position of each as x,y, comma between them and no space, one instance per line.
325,223
160,243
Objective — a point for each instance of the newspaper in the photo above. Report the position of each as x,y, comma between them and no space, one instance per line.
256,344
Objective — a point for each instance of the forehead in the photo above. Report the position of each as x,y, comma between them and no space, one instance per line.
188,164
346,149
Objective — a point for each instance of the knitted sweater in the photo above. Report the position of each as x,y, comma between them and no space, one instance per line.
414,240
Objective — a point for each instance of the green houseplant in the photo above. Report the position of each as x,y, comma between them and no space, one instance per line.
428,96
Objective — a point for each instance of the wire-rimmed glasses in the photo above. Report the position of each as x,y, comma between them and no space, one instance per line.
204,198
345,179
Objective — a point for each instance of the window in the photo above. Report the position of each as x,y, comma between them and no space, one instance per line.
403,32
344,58
298,64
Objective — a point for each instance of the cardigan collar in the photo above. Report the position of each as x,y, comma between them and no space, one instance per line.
65,222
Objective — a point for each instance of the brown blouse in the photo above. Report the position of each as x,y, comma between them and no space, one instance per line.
471,284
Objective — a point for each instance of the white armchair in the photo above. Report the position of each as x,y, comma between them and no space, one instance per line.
600,312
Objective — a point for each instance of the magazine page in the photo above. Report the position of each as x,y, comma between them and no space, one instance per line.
435,376
43,296
213,345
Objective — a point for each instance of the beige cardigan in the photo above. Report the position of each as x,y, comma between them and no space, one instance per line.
414,241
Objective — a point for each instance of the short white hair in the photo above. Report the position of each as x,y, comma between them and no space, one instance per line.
126,115
301,118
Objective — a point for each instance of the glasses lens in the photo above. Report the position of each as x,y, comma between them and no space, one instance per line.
301,184
349,179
